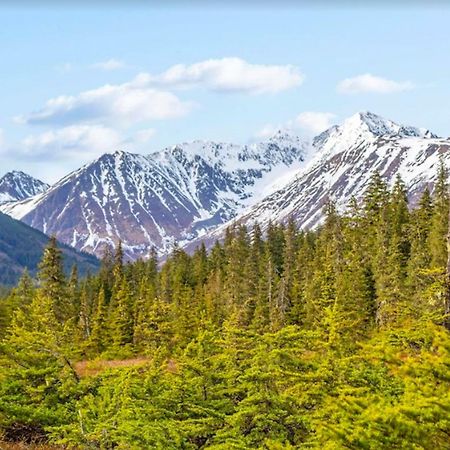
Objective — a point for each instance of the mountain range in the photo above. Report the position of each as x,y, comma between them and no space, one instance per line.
345,157
192,191
176,194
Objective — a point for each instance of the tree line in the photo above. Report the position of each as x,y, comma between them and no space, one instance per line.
331,338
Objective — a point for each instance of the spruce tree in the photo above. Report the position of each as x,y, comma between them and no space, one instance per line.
52,281
439,219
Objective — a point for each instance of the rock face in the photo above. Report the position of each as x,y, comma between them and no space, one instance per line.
345,157
177,194
17,185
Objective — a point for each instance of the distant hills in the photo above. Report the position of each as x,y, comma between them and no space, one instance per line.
22,246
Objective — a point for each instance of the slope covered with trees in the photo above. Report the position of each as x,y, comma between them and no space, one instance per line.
21,248
335,338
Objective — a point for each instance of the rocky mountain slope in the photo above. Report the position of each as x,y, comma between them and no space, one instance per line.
176,194
18,185
192,191
345,157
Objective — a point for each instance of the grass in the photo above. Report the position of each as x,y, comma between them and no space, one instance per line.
96,367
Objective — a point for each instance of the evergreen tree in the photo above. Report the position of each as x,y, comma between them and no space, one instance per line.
121,320
439,219
52,281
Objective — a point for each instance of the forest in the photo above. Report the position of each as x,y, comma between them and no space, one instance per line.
334,338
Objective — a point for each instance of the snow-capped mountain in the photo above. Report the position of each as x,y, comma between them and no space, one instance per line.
345,157
18,185
174,194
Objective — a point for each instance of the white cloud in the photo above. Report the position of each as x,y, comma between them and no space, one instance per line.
119,104
144,136
143,98
372,84
74,142
307,123
53,154
2,140
79,143
110,64
228,75
313,122
268,131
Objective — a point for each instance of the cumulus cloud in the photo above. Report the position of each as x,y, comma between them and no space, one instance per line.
110,64
79,143
145,97
314,122
368,83
307,123
119,104
228,75
70,147
76,142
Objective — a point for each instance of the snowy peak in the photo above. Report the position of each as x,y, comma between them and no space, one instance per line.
362,128
379,126
184,192
285,138
345,158
17,185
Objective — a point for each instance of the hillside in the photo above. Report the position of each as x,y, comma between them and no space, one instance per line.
21,247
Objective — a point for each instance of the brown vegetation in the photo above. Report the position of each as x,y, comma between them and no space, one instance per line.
96,367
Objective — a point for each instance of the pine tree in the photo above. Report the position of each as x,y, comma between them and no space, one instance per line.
20,297
121,320
52,281
98,338
118,261
439,219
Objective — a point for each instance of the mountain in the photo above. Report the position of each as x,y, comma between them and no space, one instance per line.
22,246
18,185
345,157
177,194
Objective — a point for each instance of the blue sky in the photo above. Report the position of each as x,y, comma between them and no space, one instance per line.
78,82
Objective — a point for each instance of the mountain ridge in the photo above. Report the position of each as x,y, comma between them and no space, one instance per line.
192,191
145,201
17,185
344,158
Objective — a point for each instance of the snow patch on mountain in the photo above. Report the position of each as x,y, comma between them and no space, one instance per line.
17,185
176,194
345,157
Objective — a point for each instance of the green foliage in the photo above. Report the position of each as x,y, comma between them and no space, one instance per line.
326,339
